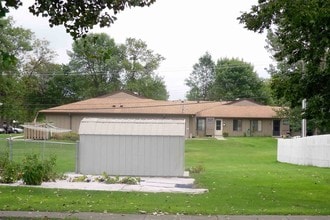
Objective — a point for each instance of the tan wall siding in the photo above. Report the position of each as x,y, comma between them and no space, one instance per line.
59,120
266,130
210,126
73,121
229,127
192,127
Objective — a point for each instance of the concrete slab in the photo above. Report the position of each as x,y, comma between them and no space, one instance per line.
147,184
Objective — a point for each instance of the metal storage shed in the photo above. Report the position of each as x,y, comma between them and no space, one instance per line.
132,147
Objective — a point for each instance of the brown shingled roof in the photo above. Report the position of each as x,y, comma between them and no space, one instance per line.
126,103
234,111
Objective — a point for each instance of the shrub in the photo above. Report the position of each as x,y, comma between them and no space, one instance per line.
80,179
114,180
225,134
34,171
49,173
10,172
197,169
4,159
130,180
68,136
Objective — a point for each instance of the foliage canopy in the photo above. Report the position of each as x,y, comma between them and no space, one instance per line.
201,78
300,42
30,80
227,79
77,16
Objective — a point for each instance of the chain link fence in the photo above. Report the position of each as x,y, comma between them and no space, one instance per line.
17,149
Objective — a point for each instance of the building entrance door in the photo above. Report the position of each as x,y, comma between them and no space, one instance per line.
276,127
218,127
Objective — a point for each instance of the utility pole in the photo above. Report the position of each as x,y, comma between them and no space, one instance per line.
304,121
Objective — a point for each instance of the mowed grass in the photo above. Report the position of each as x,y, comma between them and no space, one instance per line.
65,152
242,175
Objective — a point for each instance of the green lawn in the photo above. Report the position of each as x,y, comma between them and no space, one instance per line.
65,152
242,175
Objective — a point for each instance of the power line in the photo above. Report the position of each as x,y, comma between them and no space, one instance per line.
77,73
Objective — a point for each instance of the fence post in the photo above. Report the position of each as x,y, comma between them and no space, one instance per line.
10,145
77,157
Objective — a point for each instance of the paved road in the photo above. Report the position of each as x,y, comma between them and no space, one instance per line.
106,216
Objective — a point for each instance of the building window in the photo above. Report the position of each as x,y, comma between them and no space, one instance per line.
237,125
256,125
218,125
201,124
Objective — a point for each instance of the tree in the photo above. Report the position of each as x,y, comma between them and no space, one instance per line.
14,43
77,16
287,89
36,59
151,87
64,87
236,79
139,66
104,66
36,89
99,60
201,79
301,30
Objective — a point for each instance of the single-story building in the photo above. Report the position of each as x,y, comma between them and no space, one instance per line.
202,118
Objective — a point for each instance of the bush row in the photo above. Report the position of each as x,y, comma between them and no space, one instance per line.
32,170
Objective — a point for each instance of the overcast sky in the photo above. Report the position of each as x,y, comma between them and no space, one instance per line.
180,30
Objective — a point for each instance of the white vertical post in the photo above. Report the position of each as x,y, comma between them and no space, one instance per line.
304,122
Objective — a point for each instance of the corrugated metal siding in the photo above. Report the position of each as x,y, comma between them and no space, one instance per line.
157,149
132,155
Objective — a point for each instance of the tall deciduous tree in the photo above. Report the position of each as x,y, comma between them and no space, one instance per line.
236,79
140,65
64,87
38,70
287,89
14,43
36,89
77,16
201,79
98,59
302,31
35,60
